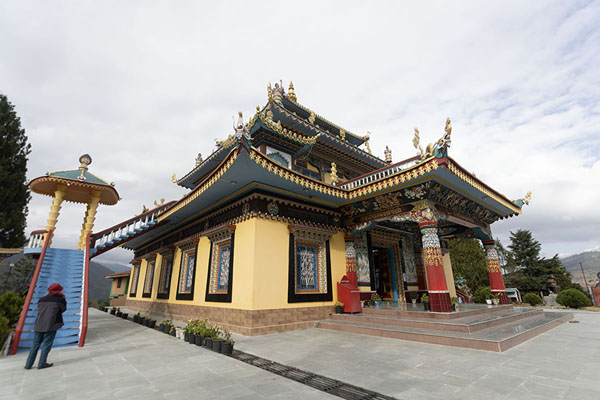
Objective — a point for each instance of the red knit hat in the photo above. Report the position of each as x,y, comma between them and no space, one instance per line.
55,288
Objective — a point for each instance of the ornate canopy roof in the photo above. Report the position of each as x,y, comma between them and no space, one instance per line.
80,183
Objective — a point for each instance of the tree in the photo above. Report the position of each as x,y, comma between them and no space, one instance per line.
16,276
525,249
506,259
468,262
14,193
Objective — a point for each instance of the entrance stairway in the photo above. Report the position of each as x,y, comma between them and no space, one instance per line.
492,328
65,267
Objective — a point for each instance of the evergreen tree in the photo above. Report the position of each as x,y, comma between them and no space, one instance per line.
14,193
525,249
468,262
506,259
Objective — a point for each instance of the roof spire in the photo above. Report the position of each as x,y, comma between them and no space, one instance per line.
85,160
388,155
291,94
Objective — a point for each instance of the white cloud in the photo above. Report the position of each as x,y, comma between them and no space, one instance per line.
144,86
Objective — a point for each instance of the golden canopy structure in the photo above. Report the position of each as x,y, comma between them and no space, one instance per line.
78,186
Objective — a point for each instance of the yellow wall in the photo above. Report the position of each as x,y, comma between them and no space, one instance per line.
260,269
448,273
118,291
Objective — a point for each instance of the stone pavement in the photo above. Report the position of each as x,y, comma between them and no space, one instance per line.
563,363
123,360
126,360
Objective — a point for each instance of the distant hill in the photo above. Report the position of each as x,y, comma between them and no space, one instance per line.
100,286
591,266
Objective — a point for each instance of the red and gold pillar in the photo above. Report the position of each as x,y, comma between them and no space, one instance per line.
493,266
439,296
351,261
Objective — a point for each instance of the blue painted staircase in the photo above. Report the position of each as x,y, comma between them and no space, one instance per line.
65,267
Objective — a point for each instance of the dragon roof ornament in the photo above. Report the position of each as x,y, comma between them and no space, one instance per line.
438,149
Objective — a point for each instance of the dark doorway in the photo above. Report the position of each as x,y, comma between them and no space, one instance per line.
383,271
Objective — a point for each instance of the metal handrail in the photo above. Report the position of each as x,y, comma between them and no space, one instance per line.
84,300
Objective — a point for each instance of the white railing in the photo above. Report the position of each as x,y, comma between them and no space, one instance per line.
129,228
36,239
380,174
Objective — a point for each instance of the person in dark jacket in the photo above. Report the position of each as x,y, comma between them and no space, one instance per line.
48,321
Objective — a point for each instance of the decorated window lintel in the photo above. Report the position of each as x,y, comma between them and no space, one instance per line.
149,277
187,270
134,279
166,272
309,264
220,264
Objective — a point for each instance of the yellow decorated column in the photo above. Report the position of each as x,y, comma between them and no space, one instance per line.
90,217
59,196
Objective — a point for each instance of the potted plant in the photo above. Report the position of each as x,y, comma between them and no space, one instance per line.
201,330
124,315
173,331
113,311
227,345
216,339
166,325
339,307
425,301
413,299
454,303
151,323
119,313
375,299
136,318
488,302
496,298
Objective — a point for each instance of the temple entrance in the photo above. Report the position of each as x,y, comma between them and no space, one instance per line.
384,273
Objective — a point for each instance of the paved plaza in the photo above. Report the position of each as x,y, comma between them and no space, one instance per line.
125,360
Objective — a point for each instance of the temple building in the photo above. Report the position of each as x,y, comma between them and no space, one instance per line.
289,204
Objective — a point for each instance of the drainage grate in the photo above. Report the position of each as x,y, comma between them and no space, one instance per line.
328,385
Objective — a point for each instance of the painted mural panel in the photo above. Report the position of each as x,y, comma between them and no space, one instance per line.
362,260
409,260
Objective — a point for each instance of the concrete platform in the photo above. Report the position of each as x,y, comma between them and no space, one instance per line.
492,328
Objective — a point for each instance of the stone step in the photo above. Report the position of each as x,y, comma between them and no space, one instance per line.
496,339
465,324
418,312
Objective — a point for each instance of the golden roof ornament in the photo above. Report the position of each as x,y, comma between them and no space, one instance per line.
388,155
162,201
199,159
269,92
173,178
334,178
290,94
312,117
277,93
85,160
342,134
366,139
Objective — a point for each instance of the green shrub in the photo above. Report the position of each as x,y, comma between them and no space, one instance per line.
532,299
4,329
573,298
482,294
11,305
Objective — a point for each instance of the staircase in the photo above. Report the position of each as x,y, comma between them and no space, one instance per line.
65,267
493,328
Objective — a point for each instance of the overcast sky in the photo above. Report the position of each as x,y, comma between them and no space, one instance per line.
145,86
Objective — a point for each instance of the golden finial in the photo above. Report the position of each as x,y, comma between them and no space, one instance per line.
269,92
257,108
173,179
416,141
388,155
162,201
527,198
334,178
448,128
366,139
342,134
290,94
312,117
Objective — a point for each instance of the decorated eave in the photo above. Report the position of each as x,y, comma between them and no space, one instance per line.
343,145
245,170
79,183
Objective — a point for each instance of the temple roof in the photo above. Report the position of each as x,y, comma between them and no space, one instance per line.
80,183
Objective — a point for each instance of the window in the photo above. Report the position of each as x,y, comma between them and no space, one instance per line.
279,156
164,282
220,267
134,280
119,282
309,265
149,279
185,288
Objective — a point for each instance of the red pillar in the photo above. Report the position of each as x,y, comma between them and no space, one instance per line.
493,266
439,297
351,261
